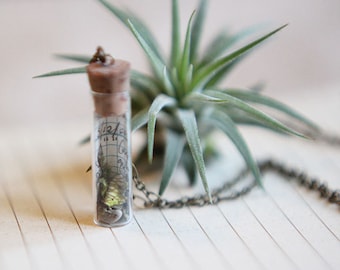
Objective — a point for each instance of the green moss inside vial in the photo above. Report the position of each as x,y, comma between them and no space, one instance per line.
111,170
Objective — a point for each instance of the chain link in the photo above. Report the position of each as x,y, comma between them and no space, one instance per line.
153,200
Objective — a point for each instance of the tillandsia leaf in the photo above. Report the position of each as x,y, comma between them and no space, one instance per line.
189,167
85,140
215,48
173,151
75,57
189,123
138,80
139,101
195,97
197,28
124,16
255,97
183,69
176,35
63,72
244,118
205,73
257,87
222,121
188,78
223,72
157,105
255,113
167,84
222,42
175,78
140,119
154,59
144,83
241,117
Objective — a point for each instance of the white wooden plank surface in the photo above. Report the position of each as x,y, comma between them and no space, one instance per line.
164,240
46,217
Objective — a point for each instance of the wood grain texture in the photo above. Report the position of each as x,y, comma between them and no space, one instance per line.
46,214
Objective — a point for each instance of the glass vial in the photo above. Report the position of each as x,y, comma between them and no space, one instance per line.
111,159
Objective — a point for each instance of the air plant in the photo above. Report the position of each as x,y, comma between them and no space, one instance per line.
183,94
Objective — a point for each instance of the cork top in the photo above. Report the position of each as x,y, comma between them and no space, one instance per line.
106,74
109,80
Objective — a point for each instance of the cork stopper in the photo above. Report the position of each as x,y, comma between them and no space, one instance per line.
109,81
106,74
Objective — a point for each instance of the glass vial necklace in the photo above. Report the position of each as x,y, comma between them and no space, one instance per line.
111,143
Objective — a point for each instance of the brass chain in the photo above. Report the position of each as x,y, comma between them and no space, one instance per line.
153,200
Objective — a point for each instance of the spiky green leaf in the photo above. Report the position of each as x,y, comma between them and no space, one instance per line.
140,119
167,83
215,48
138,101
155,61
189,167
197,97
76,70
124,16
223,72
222,121
244,118
176,35
255,113
205,73
186,51
188,79
255,97
175,79
157,105
144,83
222,42
173,151
75,57
85,140
197,28
241,117
189,123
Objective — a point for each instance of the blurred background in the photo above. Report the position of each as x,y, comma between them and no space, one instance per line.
303,58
